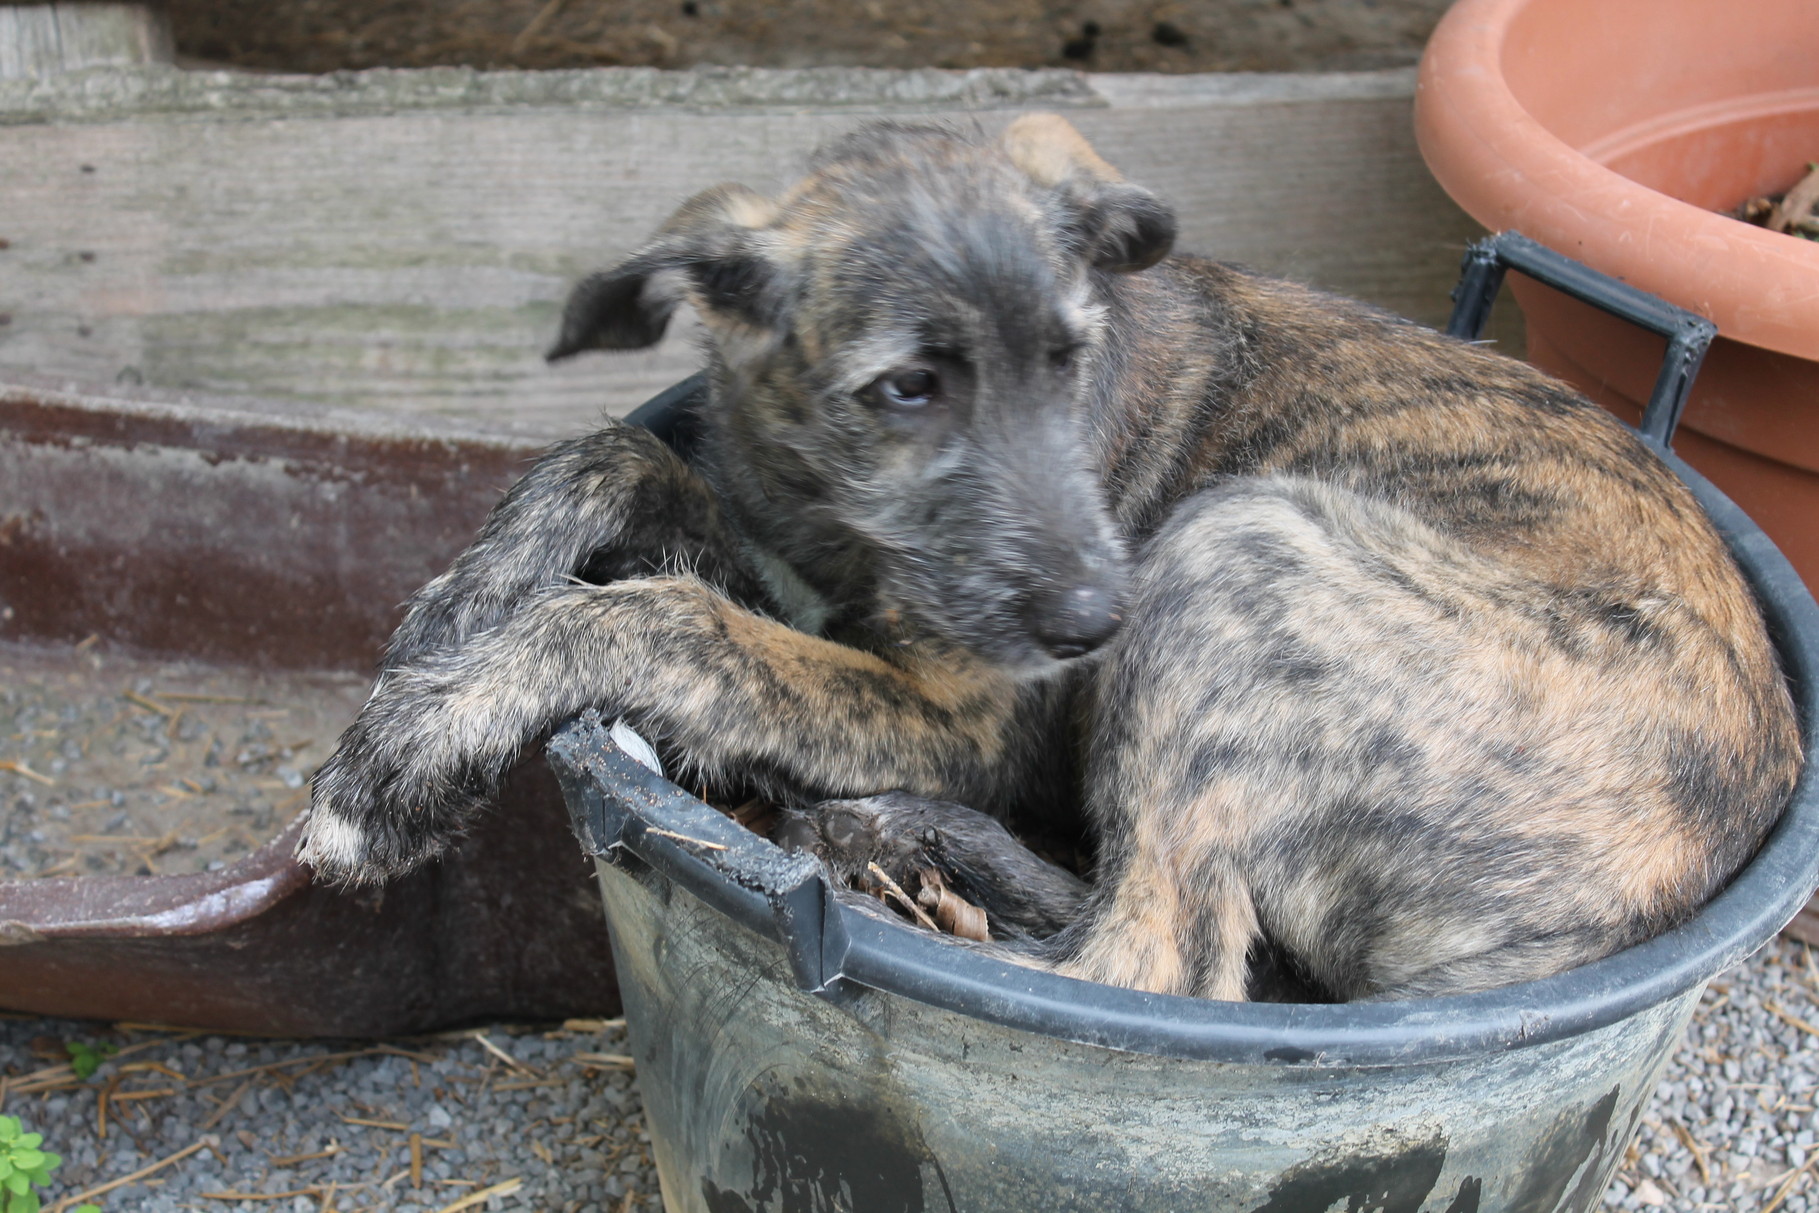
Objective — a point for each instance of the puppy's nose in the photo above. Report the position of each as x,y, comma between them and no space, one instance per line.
1075,621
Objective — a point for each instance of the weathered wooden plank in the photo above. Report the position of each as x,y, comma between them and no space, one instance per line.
38,40
408,247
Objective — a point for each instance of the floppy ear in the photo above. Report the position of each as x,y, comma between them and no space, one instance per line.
707,246
1115,225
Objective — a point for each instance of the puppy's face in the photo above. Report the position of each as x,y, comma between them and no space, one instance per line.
907,344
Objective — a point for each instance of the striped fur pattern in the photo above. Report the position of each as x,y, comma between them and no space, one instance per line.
1365,655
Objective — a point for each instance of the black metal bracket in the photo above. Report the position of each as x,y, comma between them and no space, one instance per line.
1688,335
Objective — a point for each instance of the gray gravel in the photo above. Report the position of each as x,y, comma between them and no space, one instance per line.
117,765
1741,1090
565,1117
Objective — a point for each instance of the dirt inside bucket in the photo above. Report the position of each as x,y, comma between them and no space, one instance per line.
1096,35
116,765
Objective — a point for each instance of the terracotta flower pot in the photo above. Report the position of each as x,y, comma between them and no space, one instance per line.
1614,131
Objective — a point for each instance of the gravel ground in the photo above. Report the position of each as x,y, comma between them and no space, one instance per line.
499,1118
114,765
550,1119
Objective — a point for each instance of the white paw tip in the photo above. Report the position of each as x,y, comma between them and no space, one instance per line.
332,842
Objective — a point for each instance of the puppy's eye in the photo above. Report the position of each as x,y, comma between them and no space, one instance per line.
1062,359
907,389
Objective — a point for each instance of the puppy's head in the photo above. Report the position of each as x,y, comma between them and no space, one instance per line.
909,349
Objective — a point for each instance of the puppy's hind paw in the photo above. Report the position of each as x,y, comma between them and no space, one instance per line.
902,834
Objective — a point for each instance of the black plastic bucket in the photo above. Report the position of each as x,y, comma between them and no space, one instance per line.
797,1056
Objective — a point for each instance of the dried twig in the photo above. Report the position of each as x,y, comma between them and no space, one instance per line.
291,1160
1793,1021
89,1194
228,1105
130,1096
896,890
137,1066
397,1126
150,705
1692,1145
700,842
1782,1193
57,1078
526,1084
178,1033
481,1196
956,914
101,1098
505,1057
19,768
318,1059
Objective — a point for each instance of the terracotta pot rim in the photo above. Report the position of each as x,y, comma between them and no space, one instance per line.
1507,170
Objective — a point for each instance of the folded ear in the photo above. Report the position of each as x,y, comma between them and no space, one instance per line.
1115,225
708,247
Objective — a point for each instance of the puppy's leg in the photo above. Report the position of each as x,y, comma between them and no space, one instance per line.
735,692
614,504
1181,923
1022,894
1180,781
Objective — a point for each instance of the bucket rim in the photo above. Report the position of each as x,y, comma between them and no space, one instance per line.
623,810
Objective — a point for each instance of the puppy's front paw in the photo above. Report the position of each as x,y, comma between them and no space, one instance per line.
383,805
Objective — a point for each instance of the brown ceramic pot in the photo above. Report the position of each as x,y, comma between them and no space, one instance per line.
1615,132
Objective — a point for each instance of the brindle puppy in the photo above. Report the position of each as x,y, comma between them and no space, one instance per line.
1356,644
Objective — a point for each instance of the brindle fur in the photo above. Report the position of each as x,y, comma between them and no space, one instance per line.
1429,676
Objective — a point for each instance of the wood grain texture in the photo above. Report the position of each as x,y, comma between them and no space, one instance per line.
410,252
39,40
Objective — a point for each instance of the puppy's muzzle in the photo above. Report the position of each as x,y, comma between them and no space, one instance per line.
1074,620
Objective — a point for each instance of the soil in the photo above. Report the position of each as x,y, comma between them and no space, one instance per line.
1095,35
1792,213
113,765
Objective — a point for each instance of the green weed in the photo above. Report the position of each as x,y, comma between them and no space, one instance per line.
86,1059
